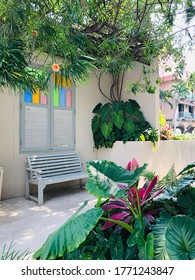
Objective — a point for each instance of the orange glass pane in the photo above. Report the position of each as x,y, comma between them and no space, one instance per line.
69,84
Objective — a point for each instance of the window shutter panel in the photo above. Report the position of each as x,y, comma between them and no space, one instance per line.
35,127
63,128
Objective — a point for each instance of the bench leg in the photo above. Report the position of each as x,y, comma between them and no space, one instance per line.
27,186
27,189
41,187
81,184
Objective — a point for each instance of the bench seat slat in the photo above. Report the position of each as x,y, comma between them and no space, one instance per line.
56,157
63,178
52,165
53,173
53,161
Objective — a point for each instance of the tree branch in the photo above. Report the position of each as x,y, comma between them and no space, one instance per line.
100,89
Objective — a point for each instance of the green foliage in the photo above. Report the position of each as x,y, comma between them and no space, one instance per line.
69,236
145,248
187,136
144,85
164,96
120,121
10,253
174,238
116,247
171,191
166,132
159,230
105,175
181,90
169,180
182,247
186,201
13,67
190,167
114,33
168,236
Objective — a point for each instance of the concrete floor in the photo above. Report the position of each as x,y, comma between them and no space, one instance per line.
28,225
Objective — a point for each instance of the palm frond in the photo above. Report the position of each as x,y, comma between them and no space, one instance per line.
169,180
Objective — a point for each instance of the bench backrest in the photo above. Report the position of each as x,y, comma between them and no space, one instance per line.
55,164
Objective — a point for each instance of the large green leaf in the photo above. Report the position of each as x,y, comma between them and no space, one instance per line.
120,223
159,230
103,187
97,108
187,202
129,126
145,248
188,167
118,119
70,235
116,247
172,192
180,238
106,129
130,106
105,112
105,176
117,106
95,124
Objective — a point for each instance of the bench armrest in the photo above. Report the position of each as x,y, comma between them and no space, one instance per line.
38,171
33,172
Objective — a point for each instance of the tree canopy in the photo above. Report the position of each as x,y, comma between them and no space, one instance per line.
107,34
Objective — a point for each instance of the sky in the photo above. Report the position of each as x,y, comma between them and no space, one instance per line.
190,61
179,24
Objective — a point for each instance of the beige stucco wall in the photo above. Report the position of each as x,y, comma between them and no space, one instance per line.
87,97
149,103
14,163
167,153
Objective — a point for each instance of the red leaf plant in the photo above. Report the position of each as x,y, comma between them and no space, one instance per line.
135,204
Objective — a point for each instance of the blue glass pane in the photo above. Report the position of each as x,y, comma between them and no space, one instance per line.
28,96
62,97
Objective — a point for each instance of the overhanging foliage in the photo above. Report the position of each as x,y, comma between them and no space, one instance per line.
109,35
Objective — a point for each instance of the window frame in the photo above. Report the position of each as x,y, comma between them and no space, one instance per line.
50,118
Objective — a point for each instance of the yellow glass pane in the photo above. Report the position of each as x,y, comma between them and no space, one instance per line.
61,81
69,83
56,79
36,96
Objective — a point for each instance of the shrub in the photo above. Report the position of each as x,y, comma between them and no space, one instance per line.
120,121
184,137
166,132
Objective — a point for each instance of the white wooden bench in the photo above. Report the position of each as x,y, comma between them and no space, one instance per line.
50,169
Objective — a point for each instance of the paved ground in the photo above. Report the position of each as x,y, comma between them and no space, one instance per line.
28,225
